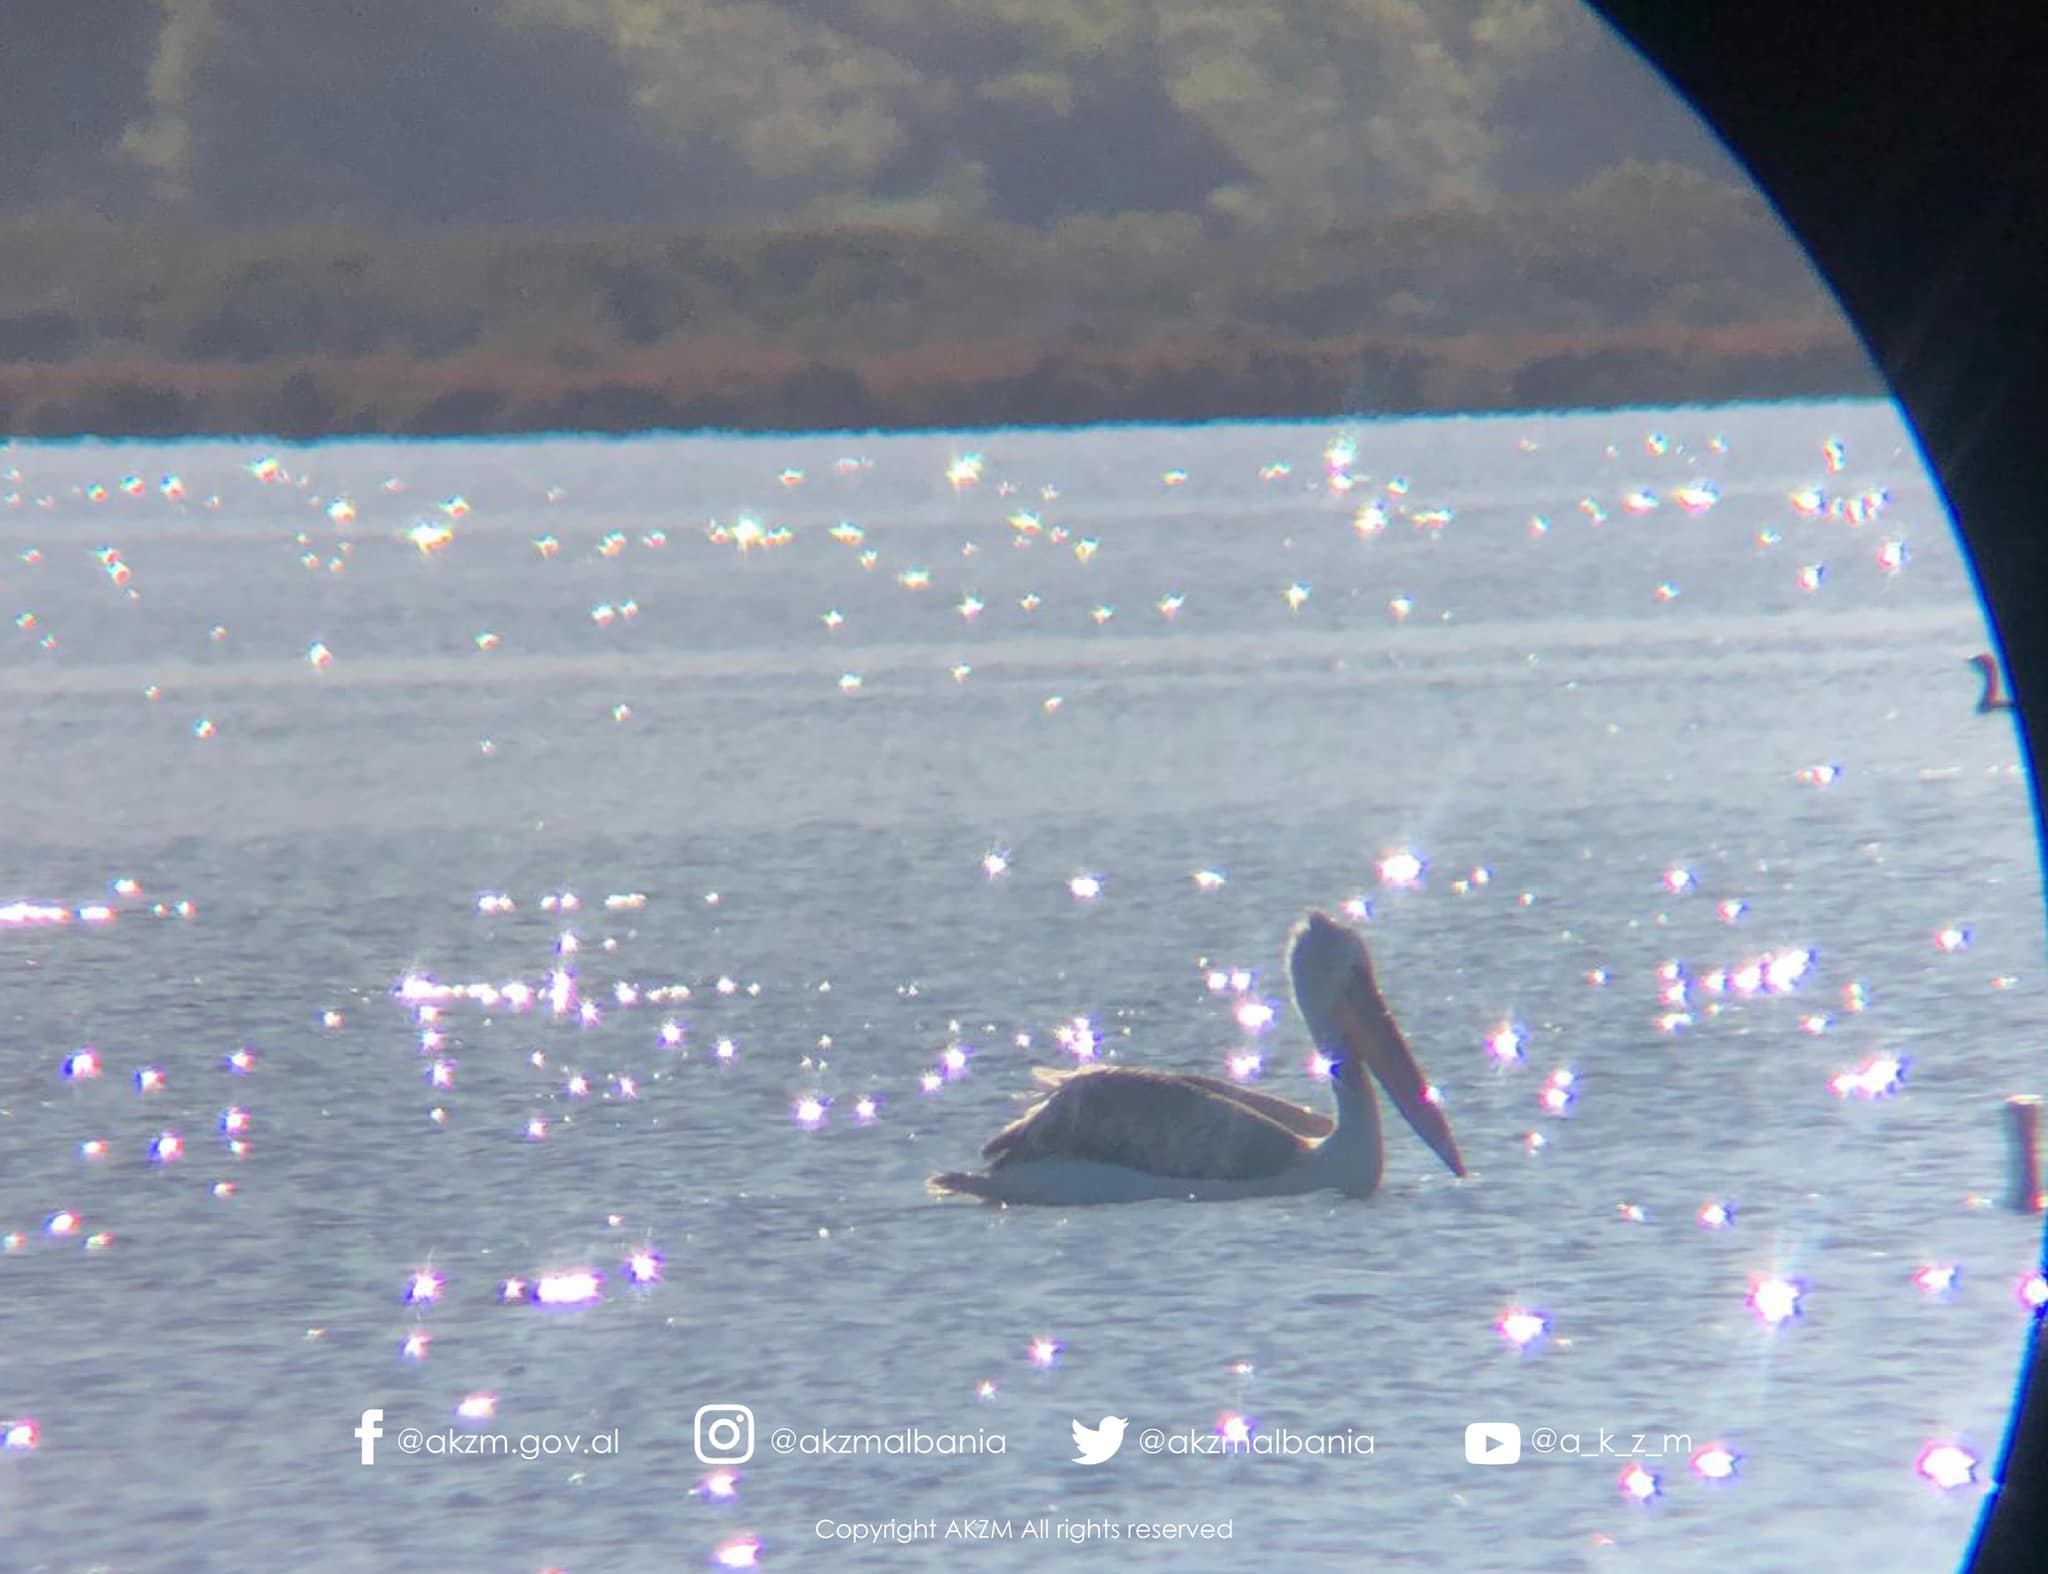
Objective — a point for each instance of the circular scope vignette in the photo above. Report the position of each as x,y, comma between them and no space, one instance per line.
799,791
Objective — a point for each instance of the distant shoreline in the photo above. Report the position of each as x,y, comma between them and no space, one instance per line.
693,385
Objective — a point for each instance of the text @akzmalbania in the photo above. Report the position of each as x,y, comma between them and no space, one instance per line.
1278,1442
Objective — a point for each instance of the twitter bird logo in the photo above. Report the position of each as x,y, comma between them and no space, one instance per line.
1098,1444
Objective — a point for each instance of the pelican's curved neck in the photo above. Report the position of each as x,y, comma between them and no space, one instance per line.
1354,1152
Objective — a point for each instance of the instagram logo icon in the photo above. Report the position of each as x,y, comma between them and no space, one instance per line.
725,1434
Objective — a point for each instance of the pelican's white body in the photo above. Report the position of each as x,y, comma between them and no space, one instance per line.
1068,1183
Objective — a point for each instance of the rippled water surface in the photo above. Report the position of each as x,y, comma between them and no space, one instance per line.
1652,696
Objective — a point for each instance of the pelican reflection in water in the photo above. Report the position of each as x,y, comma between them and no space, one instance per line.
1120,1134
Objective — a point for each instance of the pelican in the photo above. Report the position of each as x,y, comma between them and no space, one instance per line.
1121,1134
1994,696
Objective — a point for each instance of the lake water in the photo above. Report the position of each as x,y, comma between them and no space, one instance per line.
1589,670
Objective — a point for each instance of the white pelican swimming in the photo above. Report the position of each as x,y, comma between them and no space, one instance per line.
1994,696
1118,1134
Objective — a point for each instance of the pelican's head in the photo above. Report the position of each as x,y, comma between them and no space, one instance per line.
1336,995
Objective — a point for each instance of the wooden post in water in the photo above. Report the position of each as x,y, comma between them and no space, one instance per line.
2023,1153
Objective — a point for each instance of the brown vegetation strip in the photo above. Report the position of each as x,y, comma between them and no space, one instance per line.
691,384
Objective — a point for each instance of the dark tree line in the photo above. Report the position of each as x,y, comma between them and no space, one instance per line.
1275,115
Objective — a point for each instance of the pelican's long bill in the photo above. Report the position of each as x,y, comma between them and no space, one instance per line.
1338,998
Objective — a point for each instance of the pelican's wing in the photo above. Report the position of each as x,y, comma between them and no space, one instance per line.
1192,1128
1303,1122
